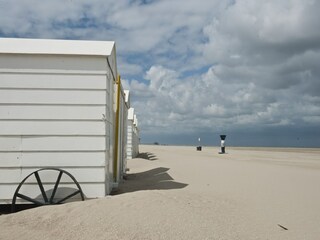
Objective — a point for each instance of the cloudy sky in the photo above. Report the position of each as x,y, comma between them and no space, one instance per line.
246,68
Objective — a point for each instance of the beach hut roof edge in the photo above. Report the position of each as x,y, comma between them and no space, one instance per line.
56,47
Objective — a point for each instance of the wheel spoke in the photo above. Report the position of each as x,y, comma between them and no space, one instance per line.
69,196
29,199
41,187
50,198
56,187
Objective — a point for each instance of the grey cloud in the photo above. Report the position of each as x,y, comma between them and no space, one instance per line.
259,59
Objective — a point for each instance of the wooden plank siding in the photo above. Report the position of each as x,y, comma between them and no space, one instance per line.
129,139
133,135
124,106
56,111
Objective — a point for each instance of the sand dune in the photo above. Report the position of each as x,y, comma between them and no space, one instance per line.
181,193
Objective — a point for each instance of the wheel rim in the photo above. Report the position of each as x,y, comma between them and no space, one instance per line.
47,200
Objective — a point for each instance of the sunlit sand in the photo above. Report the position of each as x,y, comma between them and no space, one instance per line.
179,193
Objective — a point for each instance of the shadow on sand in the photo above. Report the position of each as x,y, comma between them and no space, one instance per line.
154,179
147,156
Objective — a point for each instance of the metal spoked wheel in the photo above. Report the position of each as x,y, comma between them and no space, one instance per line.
46,200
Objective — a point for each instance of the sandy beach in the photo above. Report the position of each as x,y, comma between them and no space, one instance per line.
179,193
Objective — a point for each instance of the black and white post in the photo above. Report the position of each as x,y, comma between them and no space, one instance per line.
223,137
199,145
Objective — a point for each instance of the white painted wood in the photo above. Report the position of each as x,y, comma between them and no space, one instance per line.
52,159
52,97
65,159
10,159
127,98
37,127
64,143
130,113
66,112
54,71
122,135
53,47
133,135
57,143
9,143
55,81
57,110
53,63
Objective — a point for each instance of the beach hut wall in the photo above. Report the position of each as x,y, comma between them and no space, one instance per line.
120,156
125,132
133,135
57,110
136,137
130,133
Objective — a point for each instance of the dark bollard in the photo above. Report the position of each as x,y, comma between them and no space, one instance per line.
199,148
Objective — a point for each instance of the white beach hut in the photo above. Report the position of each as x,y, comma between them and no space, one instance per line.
125,132
58,110
133,135
120,158
136,136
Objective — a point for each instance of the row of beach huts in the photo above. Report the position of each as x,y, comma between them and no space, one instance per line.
66,124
